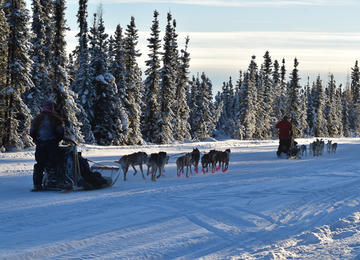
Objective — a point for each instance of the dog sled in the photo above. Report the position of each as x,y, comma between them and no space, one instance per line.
75,174
291,152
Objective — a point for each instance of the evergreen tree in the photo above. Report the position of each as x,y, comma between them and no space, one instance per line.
320,127
355,91
283,91
118,71
247,116
310,115
268,101
167,88
331,107
345,108
61,94
152,81
194,89
107,124
82,79
4,34
277,105
238,99
183,111
17,116
39,70
355,83
294,100
133,84
206,117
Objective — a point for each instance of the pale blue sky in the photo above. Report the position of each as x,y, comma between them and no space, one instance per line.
323,34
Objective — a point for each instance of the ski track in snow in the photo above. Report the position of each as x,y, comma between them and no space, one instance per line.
261,208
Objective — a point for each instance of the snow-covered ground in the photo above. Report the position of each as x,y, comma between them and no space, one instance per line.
261,208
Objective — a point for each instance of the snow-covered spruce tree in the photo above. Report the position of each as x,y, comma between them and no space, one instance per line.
303,127
206,117
261,114
320,127
310,115
295,101
226,123
338,110
355,83
152,81
106,123
333,123
133,84
17,115
117,65
61,94
355,91
81,84
277,104
194,89
237,106
268,97
39,71
183,111
284,104
167,88
345,108
175,63
4,33
247,116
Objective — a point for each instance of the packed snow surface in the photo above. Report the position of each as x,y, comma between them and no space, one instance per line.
261,208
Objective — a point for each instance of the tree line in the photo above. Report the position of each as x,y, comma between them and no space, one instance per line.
104,98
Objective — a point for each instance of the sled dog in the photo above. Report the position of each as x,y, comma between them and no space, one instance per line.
333,148
205,162
138,158
224,159
329,146
303,150
195,158
182,162
157,162
214,160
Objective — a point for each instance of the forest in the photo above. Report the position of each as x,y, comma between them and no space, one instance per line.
104,97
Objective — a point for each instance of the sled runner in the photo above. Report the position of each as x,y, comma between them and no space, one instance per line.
75,174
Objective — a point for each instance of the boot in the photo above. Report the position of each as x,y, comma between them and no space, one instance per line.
37,176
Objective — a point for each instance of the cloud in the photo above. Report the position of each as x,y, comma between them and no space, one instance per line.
223,54
242,3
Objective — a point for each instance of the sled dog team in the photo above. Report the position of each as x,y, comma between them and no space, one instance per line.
156,162
318,146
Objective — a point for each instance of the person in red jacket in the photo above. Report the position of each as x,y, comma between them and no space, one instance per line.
285,132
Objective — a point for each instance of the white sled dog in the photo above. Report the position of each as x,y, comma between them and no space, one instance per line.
156,163
138,158
182,162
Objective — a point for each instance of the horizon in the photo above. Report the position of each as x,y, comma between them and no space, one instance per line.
323,35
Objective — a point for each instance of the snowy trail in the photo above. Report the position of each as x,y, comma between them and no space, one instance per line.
262,207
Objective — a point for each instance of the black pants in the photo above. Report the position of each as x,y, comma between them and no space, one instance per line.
47,154
284,146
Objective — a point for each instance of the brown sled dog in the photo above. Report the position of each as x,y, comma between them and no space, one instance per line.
156,162
138,158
